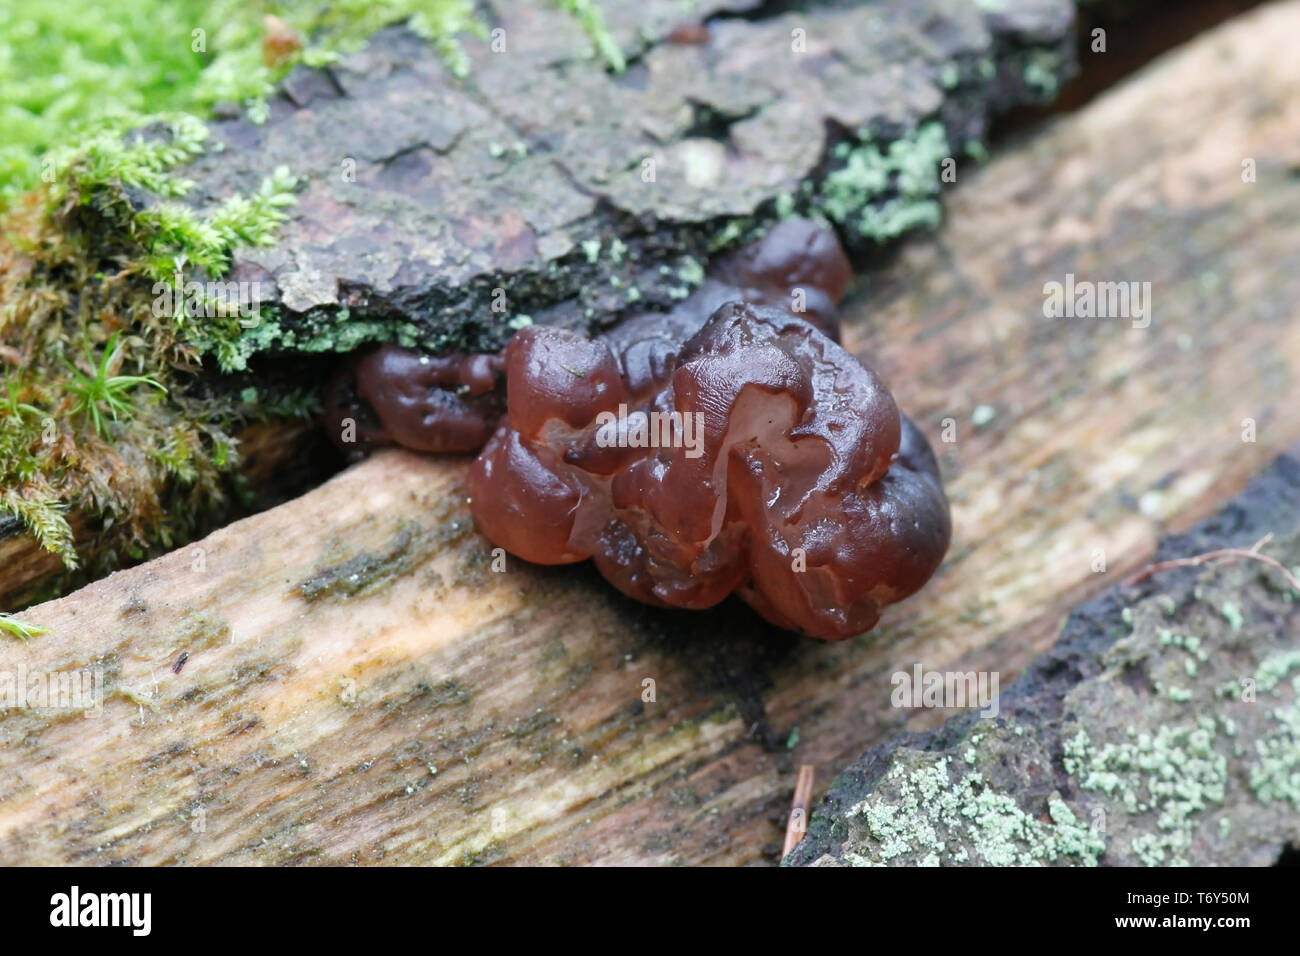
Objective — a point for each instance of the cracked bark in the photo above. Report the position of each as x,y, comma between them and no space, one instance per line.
426,193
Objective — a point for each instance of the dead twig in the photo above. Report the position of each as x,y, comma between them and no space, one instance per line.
798,823
1251,554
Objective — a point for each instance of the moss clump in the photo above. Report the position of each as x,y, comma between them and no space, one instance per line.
99,412
100,331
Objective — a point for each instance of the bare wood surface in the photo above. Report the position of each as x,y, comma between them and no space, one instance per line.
359,685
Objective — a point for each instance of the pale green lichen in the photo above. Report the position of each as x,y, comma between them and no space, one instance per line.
1175,775
880,194
1043,72
732,233
1232,614
1275,775
691,271
1187,642
1274,669
944,818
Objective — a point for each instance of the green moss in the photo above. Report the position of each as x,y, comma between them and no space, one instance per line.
86,94
95,415
98,393
70,69
20,629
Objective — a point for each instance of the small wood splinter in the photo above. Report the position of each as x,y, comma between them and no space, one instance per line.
1250,554
798,823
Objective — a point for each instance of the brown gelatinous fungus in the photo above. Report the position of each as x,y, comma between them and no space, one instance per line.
762,460
729,445
396,396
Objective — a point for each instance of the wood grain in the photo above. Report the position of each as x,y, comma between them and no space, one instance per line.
361,686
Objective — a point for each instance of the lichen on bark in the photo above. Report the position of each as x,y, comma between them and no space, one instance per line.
1162,729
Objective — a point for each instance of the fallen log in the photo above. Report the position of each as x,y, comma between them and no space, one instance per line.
355,676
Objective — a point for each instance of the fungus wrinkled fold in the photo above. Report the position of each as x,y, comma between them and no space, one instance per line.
727,446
